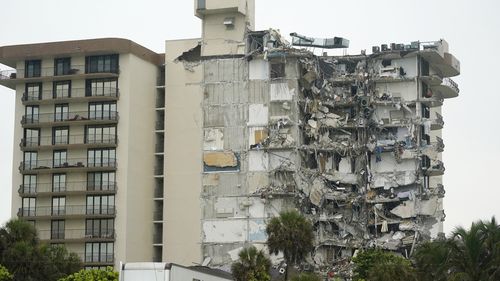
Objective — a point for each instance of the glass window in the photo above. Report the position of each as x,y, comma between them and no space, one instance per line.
60,158
61,89
60,135
99,252
105,157
99,64
61,112
101,181
33,91
29,184
99,228
102,87
31,137
32,68
62,66
29,206
58,182
101,205
30,160
102,111
101,134
58,206
57,229
32,115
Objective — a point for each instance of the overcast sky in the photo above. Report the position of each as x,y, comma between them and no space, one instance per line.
472,29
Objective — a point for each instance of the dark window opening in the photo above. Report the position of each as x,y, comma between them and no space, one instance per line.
33,68
426,112
386,63
32,91
277,70
62,66
425,67
57,229
101,88
101,64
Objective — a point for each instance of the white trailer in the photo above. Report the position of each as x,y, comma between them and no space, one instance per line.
157,271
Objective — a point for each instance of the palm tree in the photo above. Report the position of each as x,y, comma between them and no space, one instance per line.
252,265
292,234
432,260
468,255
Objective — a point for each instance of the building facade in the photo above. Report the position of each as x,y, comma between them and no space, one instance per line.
84,144
241,126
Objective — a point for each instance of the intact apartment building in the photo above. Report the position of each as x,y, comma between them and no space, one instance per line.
246,125
84,143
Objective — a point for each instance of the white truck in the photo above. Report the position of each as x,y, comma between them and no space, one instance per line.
159,271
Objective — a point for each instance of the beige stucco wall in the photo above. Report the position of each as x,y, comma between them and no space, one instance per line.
134,198
183,164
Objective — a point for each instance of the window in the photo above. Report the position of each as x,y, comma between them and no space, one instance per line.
30,160
99,64
102,111
61,89
29,206
101,87
277,70
62,66
31,137
33,91
426,112
101,134
99,252
60,158
101,205
101,181
61,112
60,135
425,138
101,157
31,114
58,182
425,67
57,229
32,68
29,184
58,206
99,228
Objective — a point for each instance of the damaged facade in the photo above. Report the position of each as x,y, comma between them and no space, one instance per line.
353,142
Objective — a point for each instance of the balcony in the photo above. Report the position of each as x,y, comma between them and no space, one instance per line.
73,95
68,141
436,53
10,78
77,235
67,211
437,123
68,118
97,259
78,187
68,165
446,90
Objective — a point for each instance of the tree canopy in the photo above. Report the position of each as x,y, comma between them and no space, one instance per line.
378,265
252,265
5,274
292,234
107,274
28,259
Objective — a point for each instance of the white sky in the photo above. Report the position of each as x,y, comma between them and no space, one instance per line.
472,29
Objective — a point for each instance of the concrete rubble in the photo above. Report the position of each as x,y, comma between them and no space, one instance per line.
344,139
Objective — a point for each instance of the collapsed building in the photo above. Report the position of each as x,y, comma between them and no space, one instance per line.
353,142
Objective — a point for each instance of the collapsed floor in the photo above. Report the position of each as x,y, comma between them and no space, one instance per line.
329,136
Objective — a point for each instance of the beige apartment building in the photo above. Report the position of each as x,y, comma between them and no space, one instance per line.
85,144
222,133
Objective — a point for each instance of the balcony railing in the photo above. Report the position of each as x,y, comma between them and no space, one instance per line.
448,82
76,234
78,186
68,210
98,258
68,163
34,142
55,94
69,117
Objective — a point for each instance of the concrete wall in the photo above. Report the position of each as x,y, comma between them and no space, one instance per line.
183,163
